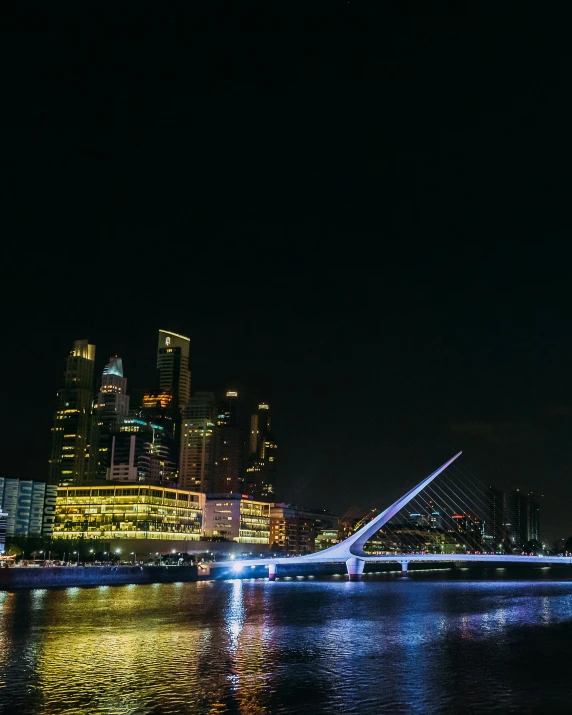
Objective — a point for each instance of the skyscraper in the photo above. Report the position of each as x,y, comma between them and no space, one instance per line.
110,408
67,464
524,513
261,470
229,446
533,518
174,378
495,519
139,453
173,368
197,455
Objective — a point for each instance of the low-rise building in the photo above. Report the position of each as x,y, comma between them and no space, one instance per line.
237,517
116,511
28,506
326,538
295,529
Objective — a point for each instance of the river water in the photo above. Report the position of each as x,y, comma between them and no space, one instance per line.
303,645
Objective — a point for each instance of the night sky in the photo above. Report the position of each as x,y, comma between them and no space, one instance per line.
359,212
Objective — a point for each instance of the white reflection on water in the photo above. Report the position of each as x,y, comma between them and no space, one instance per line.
234,615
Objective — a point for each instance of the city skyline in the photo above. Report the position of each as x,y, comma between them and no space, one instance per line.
301,254
162,434
368,236
111,403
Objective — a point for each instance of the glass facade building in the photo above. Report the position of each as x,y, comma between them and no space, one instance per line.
197,460
68,461
236,517
29,507
110,407
261,470
128,512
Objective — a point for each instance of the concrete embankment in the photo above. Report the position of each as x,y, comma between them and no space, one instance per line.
64,577
90,576
69,576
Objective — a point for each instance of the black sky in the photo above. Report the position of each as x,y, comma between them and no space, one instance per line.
358,211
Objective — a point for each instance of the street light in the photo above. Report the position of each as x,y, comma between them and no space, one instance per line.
133,554
77,552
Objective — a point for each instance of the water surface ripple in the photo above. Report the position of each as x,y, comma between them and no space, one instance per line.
294,646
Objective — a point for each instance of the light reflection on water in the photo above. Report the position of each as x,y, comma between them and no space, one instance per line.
298,645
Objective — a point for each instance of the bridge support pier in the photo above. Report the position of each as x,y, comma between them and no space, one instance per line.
404,567
271,572
355,568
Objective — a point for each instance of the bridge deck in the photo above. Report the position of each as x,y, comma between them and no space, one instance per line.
399,558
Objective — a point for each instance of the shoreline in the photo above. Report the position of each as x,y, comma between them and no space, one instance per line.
18,578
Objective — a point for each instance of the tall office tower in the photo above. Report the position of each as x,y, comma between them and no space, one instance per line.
495,520
156,410
140,454
71,422
173,368
174,377
533,518
261,471
229,446
524,513
197,455
110,408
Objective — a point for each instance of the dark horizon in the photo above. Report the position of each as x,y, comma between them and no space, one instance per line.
356,212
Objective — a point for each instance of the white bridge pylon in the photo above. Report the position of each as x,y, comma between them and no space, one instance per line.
351,549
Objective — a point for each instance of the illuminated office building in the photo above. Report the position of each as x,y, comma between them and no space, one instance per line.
524,516
173,368
197,455
495,534
140,452
468,529
29,507
68,461
296,530
128,512
110,408
229,446
156,407
236,517
260,478
157,400
533,519
156,410
3,517
174,377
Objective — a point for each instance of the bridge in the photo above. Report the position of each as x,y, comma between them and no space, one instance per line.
351,550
